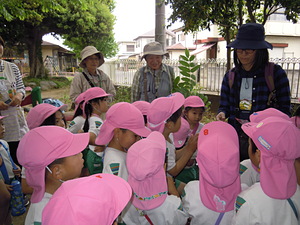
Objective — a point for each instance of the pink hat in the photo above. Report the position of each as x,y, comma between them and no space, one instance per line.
79,100
278,141
143,106
40,147
161,109
296,120
193,101
181,135
40,112
96,199
260,115
218,159
146,174
92,93
122,115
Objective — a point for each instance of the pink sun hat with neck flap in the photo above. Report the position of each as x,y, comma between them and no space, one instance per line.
194,102
161,109
219,161
278,141
92,93
79,100
96,199
146,174
143,106
40,147
122,115
260,115
40,112
181,135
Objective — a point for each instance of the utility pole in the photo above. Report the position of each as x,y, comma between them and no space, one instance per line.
160,27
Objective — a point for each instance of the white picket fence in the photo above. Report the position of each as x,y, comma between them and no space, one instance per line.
209,76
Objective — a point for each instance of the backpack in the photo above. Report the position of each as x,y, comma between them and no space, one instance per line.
269,77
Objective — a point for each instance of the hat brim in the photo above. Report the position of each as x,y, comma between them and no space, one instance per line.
151,192
35,176
107,132
101,60
34,121
155,53
247,44
219,199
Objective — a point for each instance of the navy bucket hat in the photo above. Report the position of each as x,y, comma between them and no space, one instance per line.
250,36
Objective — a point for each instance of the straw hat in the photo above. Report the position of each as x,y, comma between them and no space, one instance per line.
88,51
154,48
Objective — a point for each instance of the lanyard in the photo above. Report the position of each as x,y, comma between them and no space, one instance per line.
219,219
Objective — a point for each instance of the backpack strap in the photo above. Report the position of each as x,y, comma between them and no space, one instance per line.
269,76
88,79
231,78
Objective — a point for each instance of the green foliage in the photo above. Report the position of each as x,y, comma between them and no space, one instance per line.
123,94
186,83
80,22
60,81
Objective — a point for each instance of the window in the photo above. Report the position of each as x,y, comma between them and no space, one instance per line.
130,48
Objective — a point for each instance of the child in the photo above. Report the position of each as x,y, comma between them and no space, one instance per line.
143,106
95,104
276,199
164,115
211,199
50,155
96,199
124,125
194,108
249,168
45,114
75,126
151,203
8,170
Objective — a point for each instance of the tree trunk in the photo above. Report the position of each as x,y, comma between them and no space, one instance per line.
227,37
34,46
160,34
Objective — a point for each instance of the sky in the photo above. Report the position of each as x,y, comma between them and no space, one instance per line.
133,18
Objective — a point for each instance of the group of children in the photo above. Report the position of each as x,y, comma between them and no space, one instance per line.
156,163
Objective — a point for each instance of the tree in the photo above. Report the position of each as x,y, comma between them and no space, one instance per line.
80,22
229,15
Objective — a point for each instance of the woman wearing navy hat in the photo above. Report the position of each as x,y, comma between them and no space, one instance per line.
253,84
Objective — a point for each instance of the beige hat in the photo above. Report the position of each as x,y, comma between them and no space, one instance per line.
154,48
88,51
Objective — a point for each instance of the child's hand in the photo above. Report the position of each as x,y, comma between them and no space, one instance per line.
192,142
3,106
17,172
16,100
9,187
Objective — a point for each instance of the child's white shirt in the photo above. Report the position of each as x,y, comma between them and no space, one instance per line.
253,206
169,213
199,213
115,162
171,155
76,124
248,174
6,160
34,215
95,124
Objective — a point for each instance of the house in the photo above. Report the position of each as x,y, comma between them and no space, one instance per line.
58,59
209,44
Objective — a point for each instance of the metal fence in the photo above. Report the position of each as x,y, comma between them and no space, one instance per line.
209,76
